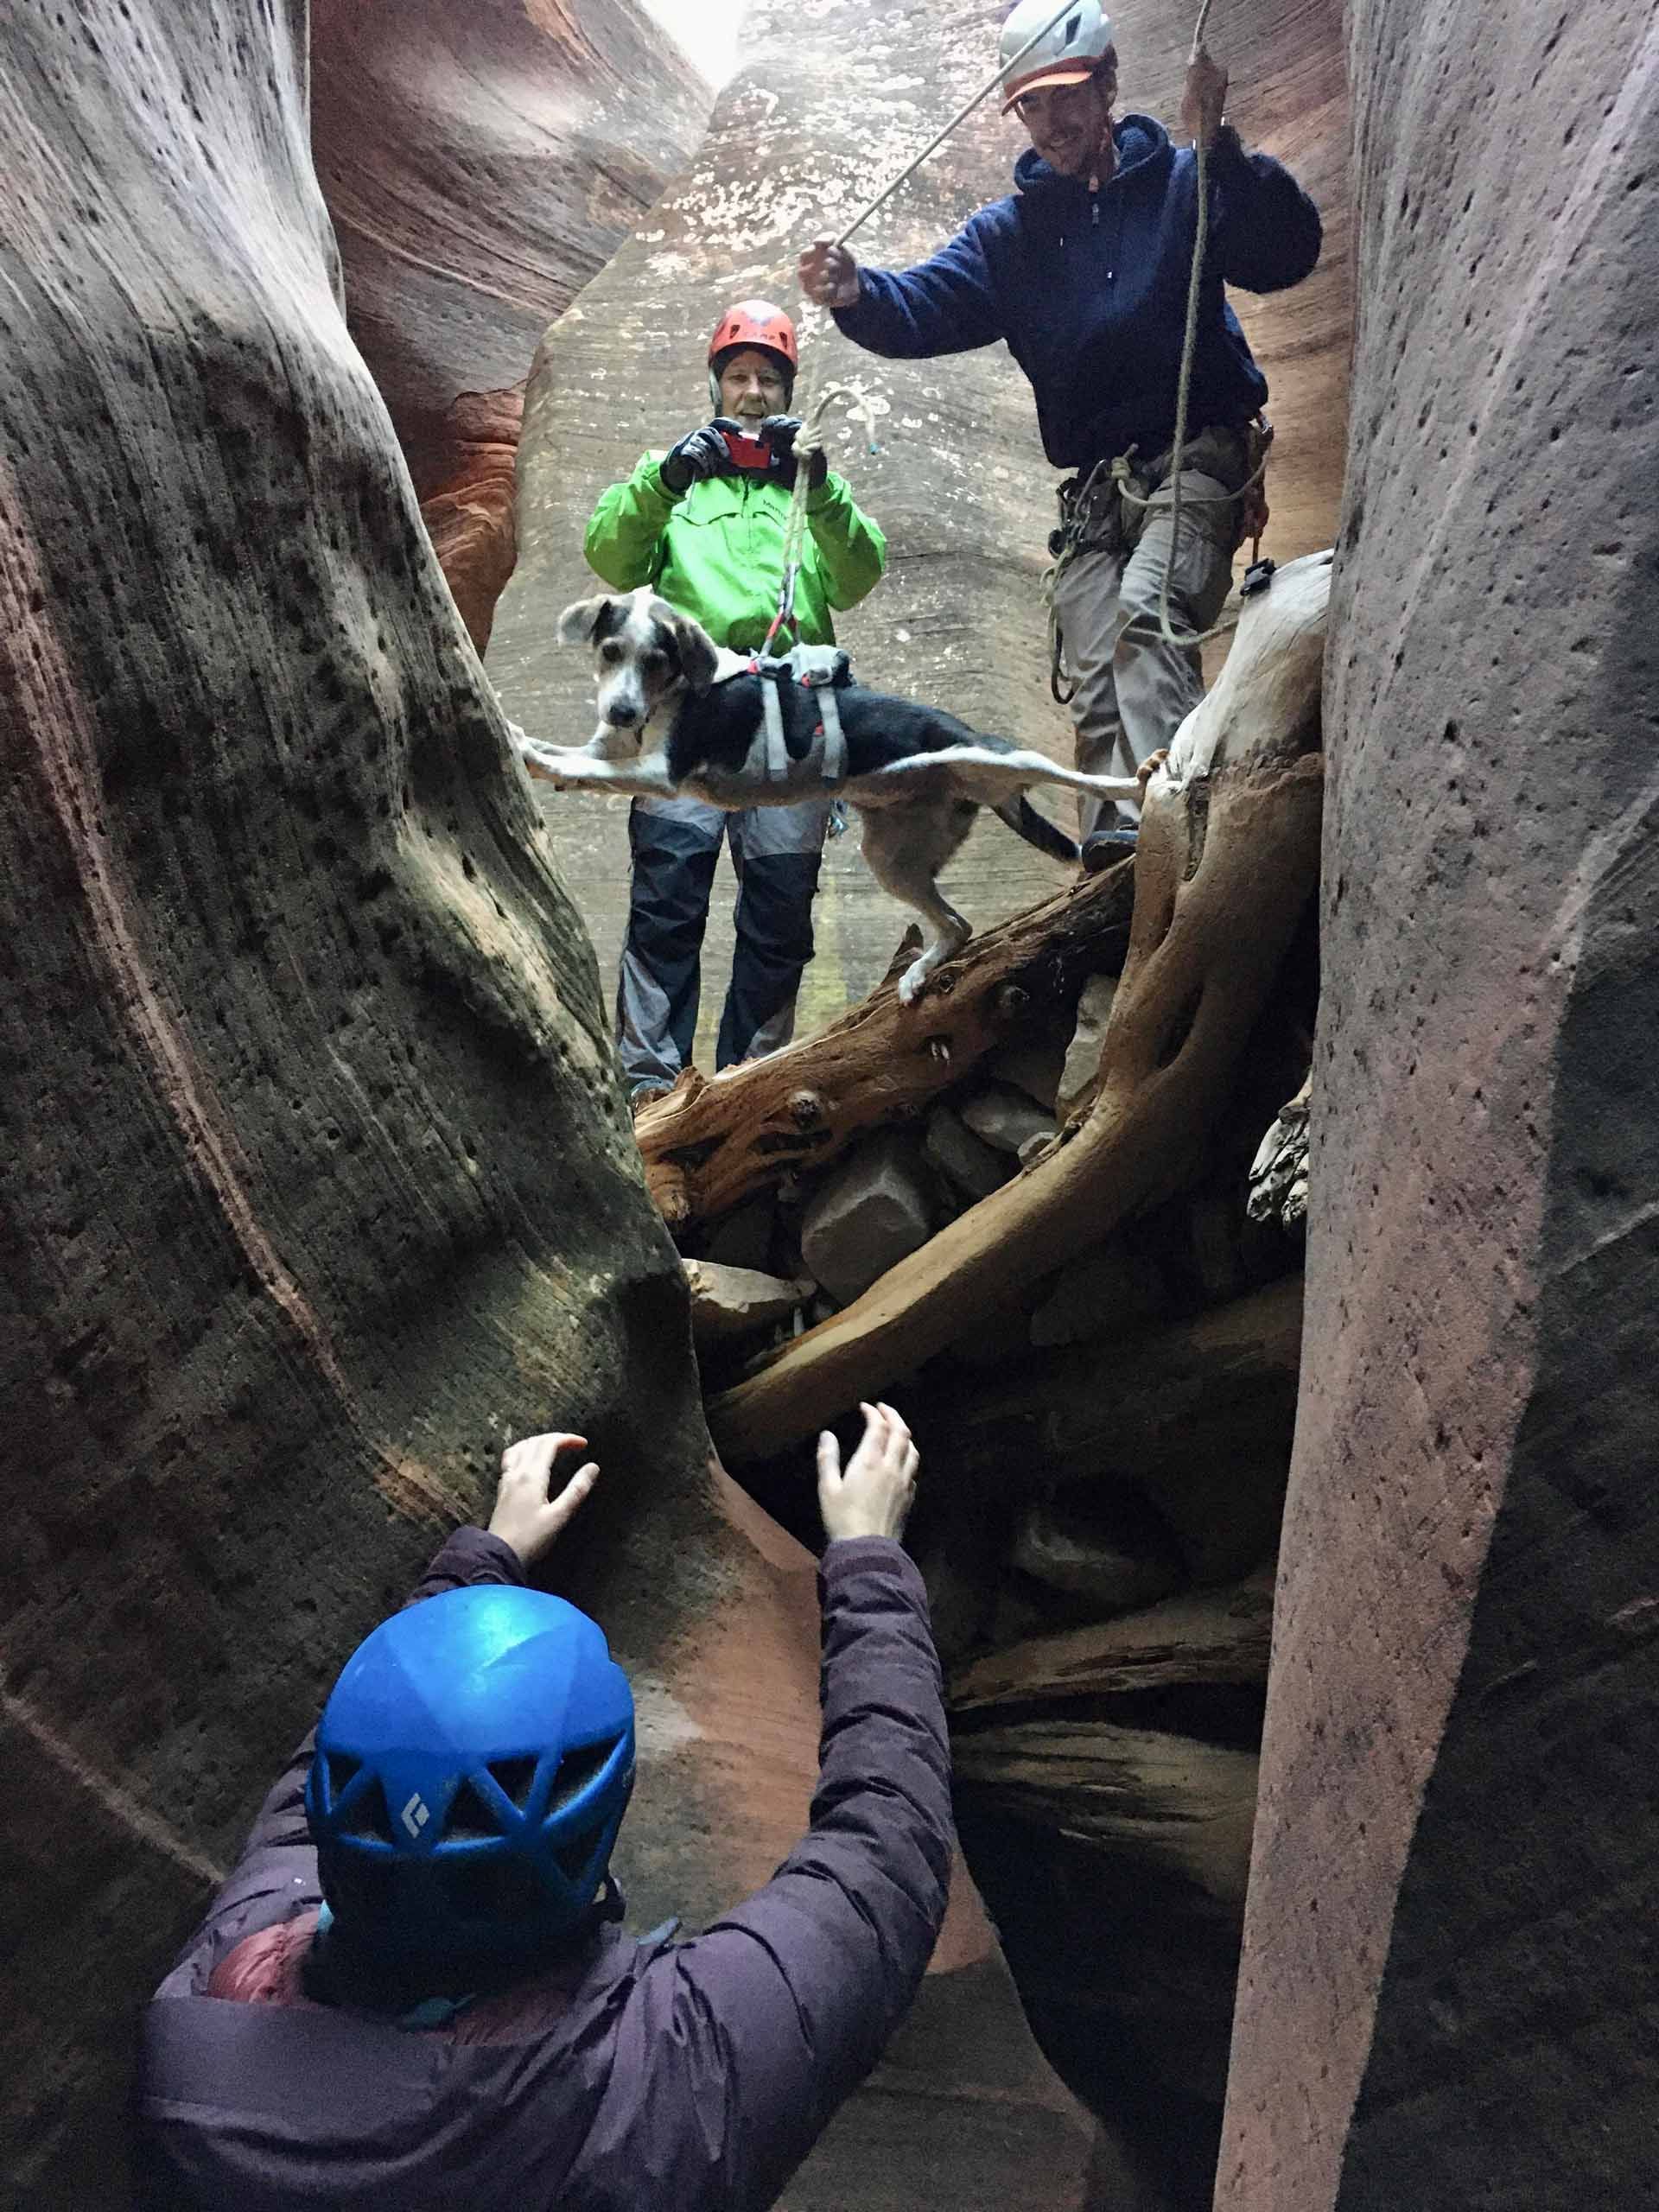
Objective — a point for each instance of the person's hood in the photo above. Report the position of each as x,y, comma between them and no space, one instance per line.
1140,139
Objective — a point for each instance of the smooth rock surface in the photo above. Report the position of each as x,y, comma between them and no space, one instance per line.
872,1211
317,1181
972,1167
482,163
1452,1898
1034,1066
1082,1063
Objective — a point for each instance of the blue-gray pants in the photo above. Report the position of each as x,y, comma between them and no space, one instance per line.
1134,690
776,851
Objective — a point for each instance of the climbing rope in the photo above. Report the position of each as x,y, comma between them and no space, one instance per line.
1004,71
1119,468
809,438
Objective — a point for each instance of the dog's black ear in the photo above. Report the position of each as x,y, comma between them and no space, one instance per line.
698,659
579,625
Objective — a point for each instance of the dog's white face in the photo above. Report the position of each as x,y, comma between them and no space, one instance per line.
645,655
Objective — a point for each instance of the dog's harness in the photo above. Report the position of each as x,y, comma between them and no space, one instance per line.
821,669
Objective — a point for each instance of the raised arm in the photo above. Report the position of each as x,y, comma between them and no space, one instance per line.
947,305
777,2012
274,1874
1269,232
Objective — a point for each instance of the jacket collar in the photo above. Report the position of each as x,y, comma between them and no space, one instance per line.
1142,142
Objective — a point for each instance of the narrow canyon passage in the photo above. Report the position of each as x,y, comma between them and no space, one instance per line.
1257,1232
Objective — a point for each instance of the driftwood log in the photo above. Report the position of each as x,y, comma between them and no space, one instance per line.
711,1143
1228,858
1199,1415
1137,1400
1171,1800
1212,1637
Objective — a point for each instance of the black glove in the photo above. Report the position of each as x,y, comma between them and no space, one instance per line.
703,453
780,432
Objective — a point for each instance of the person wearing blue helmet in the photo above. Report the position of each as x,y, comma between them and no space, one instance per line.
413,1991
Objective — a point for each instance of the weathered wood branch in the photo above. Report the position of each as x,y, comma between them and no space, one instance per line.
1215,1637
1229,856
711,1142
1199,1417
1168,1799
1137,1400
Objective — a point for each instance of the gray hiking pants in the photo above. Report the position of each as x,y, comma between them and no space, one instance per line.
777,852
1134,691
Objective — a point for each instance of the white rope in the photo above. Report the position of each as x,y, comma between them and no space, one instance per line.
809,440
1183,384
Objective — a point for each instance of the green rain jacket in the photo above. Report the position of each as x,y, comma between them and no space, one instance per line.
716,551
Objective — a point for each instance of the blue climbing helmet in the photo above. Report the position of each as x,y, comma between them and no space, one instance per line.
473,1765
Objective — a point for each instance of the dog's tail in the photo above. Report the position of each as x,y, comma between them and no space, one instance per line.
1036,828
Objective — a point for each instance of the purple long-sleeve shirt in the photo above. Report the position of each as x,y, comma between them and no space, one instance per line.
684,2075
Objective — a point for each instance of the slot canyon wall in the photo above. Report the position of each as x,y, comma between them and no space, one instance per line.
481,163
821,114
317,1185
1448,1966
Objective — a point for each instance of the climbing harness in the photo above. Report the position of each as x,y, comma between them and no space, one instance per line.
1106,510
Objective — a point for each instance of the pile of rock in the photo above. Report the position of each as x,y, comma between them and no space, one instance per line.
1107,1452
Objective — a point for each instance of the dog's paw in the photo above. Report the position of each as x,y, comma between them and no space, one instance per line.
913,983
553,765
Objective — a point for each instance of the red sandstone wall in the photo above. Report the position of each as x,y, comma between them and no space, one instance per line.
1448,1975
481,161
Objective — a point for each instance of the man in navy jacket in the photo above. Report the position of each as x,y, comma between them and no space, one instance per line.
1083,272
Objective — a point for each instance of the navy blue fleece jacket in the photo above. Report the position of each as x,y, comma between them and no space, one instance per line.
1088,290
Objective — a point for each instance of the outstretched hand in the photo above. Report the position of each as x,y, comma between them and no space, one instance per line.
828,274
873,1496
524,1516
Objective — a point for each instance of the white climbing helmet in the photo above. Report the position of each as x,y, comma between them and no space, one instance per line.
1068,53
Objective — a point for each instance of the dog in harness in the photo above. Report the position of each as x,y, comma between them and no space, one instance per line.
676,714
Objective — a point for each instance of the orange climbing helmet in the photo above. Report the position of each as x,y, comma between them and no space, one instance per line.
758,323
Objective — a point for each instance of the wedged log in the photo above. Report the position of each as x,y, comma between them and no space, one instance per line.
1228,859
1135,1401
1220,1635
1459,1765
317,1182
711,1143
1199,1417
1182,1804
